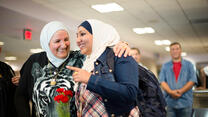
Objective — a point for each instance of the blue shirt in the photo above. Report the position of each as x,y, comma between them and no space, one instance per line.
186,74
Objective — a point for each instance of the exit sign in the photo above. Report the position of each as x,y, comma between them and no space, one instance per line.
27,34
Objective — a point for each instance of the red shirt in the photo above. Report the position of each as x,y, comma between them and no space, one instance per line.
176,69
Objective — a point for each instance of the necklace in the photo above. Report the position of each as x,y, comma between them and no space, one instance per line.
53,80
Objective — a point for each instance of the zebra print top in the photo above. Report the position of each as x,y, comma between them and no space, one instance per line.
36,75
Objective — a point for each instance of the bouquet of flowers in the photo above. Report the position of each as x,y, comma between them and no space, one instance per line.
63,101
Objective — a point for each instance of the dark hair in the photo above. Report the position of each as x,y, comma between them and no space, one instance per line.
175,43
137,49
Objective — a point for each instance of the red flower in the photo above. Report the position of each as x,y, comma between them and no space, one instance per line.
58,98
68,93
65,99
64,95
60,90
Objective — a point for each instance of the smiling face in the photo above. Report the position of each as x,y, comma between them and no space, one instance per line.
84,40
175,52
60,44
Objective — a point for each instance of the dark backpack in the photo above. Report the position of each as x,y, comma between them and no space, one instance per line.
150,98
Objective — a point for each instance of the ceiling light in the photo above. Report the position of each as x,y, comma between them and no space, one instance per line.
166,42
167,49
162,42
139,30
183,54
10,58
37,50
149,30
105,8
1,43
158,42
143,30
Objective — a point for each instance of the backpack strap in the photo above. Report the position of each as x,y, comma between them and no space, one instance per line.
110,59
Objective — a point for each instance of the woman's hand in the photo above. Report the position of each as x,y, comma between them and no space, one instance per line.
15,80
121,48
80,75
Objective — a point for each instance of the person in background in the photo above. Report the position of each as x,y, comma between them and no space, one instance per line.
46,71
135,53
8,85
104,92
203,78
177,77
205,69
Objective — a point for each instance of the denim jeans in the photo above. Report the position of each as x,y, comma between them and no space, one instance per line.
179,112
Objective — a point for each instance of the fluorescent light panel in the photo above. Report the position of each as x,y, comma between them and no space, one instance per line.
158,42
10,58
162,42
144,30
149,30
106,8
166,42
167,49
1,43
37,50
183,54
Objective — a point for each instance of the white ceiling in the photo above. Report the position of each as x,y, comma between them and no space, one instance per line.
185,21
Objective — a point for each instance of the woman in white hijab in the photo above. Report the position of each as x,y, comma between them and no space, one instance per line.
45,72
102,91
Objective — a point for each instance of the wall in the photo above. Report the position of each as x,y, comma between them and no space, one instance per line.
150,64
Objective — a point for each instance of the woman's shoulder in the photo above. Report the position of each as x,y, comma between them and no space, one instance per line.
38,56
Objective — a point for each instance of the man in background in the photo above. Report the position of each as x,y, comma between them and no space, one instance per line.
135,53
177,77
204,78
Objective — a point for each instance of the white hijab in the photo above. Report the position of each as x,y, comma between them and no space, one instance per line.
45,37
104,35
